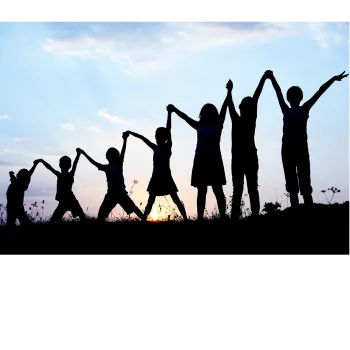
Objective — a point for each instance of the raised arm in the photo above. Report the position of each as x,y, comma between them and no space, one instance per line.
183,116
93,162
13,178
35,163
308,104
231,107
75,163
144,139
122,153
224,106
48,166
260,86
168,127
278,91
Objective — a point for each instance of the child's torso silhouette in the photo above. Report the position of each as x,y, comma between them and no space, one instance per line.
64,186
161,159
243,135
295,126
114,175
15,193
208,139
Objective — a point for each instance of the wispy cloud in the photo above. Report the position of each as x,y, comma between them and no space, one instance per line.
6,151
146,47
141,48
114,118
68,127
6,163
4,116
21,139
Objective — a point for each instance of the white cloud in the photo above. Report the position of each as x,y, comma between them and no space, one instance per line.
114,118
21,139
143,48
6,151
68,127
4,116
149,47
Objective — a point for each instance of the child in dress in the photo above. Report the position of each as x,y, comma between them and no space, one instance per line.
15,196
208,168
116,193
161,183
64,194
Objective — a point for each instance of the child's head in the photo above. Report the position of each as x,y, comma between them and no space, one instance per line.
112,155
208,114
65,163
294,96
23,177
247,106
162,136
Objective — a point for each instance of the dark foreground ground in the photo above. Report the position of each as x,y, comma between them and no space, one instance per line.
286,258
321,229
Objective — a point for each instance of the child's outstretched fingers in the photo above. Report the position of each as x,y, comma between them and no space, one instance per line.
340,76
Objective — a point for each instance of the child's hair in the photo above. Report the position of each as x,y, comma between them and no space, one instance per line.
294,93
112,155
162,135
65,162
23,177
246,105
208,114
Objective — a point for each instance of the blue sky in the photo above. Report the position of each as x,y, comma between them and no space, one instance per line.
68,85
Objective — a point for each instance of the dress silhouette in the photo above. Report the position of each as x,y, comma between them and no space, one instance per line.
161,182
208,168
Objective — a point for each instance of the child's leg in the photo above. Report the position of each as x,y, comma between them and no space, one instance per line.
238,184
58,213
23,218
290,174
106,207
11,218
129,206
179,204
305,176
151,200
77,210
201,197
221,200
252,185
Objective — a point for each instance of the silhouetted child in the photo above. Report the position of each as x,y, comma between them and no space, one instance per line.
15,196
116,193
64,194
244,153
161,183
208,168
295,152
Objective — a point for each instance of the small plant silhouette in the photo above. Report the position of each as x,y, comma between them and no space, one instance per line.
334,190
270,207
